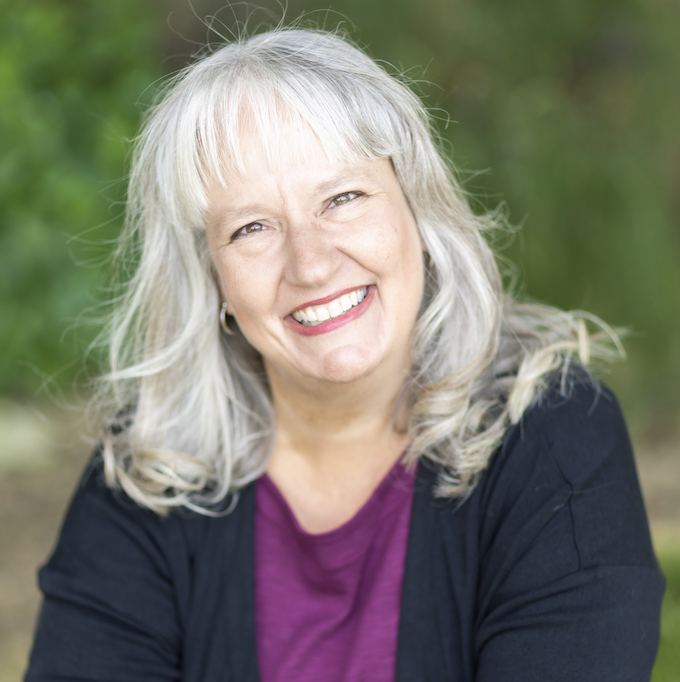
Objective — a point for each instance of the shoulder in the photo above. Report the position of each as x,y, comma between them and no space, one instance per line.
566,562
580,426
576,429
571,453
550,556
106,531
577,434
123,584
105,538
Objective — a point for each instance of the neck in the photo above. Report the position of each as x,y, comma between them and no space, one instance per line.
334,444
324,422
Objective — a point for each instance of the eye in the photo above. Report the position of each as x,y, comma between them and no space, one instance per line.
252,228
344,198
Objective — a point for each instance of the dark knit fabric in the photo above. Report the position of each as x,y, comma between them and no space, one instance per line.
546,572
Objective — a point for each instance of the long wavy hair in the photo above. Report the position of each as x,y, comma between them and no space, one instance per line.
188,413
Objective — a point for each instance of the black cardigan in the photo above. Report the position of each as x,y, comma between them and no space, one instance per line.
546,572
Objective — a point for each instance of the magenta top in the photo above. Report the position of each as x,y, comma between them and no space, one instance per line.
327,604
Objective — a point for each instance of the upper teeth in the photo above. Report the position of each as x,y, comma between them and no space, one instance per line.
320,313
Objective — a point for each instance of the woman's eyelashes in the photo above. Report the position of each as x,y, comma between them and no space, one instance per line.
251,228
344,198
335,202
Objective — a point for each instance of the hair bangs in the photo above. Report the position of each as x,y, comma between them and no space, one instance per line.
280,113
278,93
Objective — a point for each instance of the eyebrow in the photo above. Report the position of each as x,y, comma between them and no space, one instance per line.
349,175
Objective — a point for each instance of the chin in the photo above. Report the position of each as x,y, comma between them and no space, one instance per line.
346,365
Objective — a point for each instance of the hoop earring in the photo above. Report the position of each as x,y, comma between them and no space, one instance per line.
223,321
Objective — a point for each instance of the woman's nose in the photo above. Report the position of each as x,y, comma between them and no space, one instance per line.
311,254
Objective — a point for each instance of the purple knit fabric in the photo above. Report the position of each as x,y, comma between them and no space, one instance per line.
327,605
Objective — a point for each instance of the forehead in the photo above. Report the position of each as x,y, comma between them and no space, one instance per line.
302,178
271,140
264,150
293,170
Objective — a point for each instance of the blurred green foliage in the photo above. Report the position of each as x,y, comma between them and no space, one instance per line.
72,75
667,668
569,108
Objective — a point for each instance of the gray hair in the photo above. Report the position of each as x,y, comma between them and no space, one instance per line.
189,414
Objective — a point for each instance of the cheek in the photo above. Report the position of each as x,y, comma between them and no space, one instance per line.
243,285
377,244
410,270
405,252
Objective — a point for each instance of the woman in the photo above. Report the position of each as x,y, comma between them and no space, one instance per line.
339,450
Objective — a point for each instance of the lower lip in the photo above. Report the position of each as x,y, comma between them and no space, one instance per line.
334,323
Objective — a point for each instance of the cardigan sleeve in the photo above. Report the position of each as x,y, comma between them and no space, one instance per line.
109,611
569,588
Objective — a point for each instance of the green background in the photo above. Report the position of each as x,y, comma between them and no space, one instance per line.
567,112
564,111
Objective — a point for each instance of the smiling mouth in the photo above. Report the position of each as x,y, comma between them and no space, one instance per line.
318,314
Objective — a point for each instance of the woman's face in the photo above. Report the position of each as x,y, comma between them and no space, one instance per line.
320,261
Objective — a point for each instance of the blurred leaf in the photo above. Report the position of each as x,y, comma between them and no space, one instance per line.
74,78
568,108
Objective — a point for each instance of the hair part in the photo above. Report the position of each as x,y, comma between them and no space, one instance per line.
188,414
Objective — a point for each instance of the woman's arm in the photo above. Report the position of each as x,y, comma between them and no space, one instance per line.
569,585
109,610
546,572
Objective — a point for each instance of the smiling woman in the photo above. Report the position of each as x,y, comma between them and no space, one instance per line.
386,468
315,245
